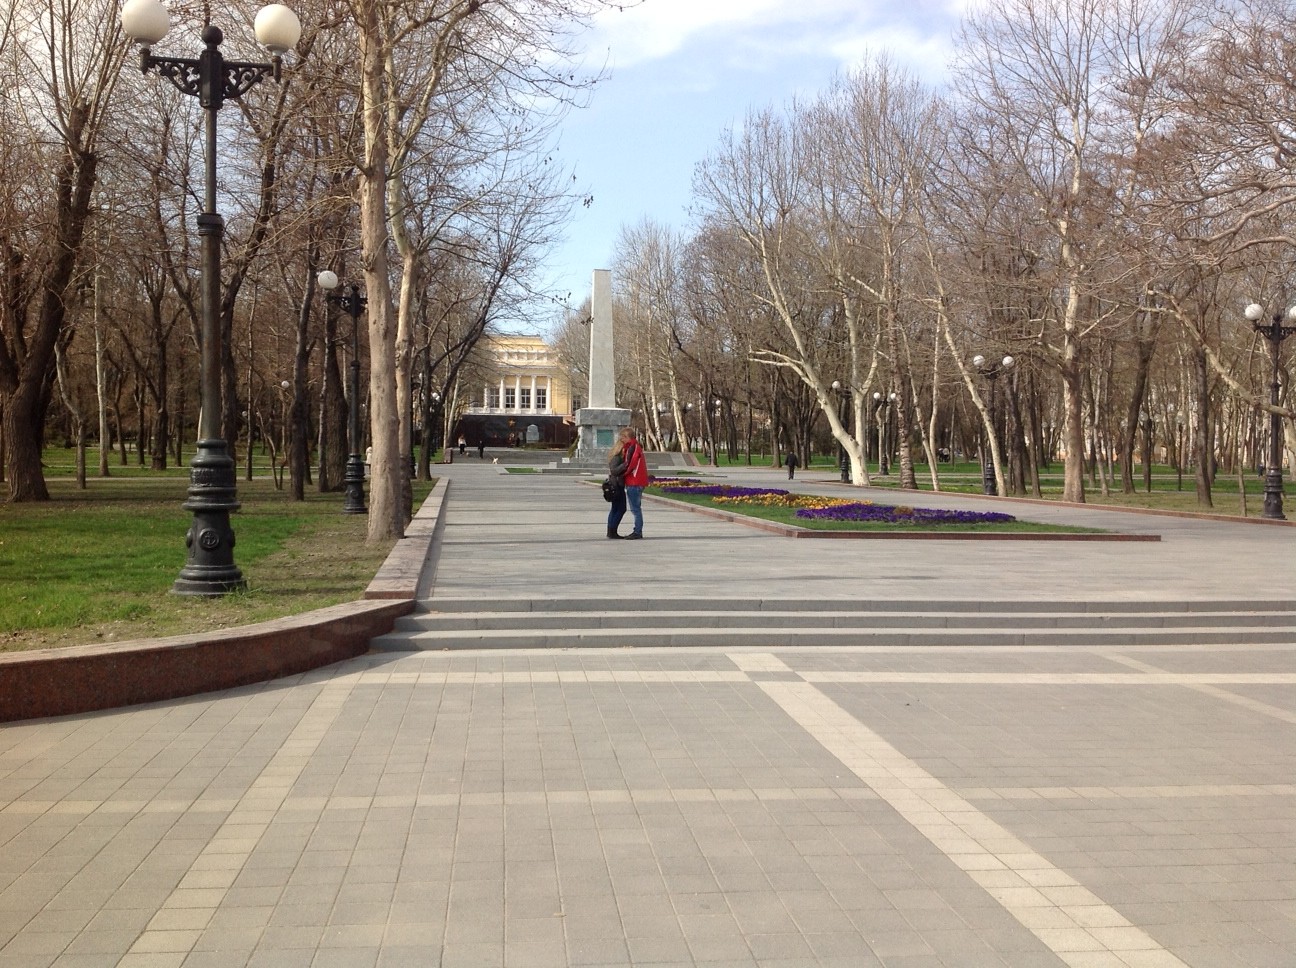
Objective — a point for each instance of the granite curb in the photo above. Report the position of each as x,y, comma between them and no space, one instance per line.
85,678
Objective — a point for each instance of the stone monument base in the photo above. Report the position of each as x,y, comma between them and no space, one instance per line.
597,429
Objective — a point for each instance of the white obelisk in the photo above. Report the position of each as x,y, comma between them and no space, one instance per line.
598,422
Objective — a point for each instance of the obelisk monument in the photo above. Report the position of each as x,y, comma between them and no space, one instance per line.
597,423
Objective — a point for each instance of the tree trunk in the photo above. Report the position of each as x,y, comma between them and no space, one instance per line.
386,512
333,413
26,406
101,392
24,411
299,421
1073,464
1202,438
1145,348
162,421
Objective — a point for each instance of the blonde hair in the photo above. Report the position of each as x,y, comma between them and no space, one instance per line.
624,436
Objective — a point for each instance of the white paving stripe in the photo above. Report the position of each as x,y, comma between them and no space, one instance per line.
758,662
529,677
1208,688
1077,925
1151,678
201,891
85,808
746,665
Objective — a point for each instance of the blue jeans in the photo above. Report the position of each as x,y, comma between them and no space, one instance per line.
617,510
634,500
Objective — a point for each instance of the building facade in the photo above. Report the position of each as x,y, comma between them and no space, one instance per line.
525,399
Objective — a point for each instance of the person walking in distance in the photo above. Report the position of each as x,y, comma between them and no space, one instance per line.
616,475
636,479
792,462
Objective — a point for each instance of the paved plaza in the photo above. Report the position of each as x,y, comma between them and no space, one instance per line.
781,802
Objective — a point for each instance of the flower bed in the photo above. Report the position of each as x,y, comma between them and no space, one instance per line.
811,507
786,500
900,514
675,485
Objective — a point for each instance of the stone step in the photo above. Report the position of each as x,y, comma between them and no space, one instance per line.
774,638
658,605
543,623
718,619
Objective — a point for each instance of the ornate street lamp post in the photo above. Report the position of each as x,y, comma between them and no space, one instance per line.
664,408
210,569
881,405
1275,332
990,372
717,406
1179,451
682,439
352,302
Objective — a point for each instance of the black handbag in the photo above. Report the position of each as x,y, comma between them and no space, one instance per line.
609,490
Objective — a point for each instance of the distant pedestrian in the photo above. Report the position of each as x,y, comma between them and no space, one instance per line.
792,462
481,448
463,445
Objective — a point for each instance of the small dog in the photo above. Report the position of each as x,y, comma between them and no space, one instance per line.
494,460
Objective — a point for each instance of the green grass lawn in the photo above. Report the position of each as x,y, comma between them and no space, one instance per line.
1170,491
97,565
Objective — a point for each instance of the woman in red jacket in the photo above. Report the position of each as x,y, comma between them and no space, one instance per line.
636,479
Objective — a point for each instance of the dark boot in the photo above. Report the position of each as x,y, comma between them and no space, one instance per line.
612,533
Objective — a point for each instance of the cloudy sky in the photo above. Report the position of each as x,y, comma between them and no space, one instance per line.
682,71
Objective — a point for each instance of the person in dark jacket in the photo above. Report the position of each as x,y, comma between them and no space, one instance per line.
616,474
792,462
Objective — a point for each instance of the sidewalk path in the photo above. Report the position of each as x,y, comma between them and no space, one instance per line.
522,536
928,808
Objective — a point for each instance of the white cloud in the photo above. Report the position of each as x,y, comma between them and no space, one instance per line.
927,55
916,33
659,28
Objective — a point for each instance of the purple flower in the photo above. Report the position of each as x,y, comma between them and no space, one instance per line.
714,490
890,514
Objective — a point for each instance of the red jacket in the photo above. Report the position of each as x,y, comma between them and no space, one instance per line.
636,474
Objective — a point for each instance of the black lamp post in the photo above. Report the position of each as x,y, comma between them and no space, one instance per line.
843,398
663,408
432,432
881,404
1179,451
990,372
352,302
210,570
717,406
1275,332
683,439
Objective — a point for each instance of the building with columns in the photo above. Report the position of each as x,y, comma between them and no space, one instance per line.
525,397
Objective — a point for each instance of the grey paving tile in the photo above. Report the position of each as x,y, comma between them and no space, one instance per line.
663,815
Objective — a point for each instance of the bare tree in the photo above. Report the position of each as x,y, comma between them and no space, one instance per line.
61,79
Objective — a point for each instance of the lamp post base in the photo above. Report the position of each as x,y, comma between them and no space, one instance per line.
353,484
210,570
1273,495
988,479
